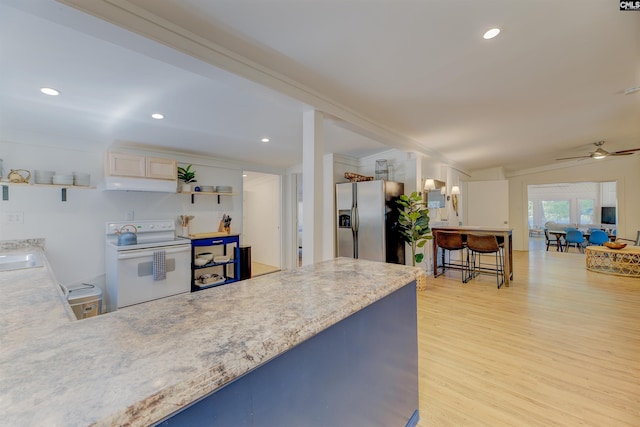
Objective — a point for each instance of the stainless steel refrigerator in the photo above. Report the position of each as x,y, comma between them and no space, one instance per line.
367,221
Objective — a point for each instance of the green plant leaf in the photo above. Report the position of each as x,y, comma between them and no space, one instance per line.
413,223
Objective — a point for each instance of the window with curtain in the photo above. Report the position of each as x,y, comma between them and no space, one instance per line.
558,211
586,211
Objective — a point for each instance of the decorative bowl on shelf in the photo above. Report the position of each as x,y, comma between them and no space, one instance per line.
208,256
221,258
200,261
19,176
615,245
210,279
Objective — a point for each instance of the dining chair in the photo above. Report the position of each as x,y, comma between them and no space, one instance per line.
598,237
635,242
485,244
552,240
449,242
574,238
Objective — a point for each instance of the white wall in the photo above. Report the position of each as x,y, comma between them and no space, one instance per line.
262,218
401,166
74,230
328,206
624,170
487,203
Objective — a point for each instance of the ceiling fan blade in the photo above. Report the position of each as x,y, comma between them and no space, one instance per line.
601,153
571,158
626,151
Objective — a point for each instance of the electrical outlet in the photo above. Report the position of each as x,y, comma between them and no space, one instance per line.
14,218
128,216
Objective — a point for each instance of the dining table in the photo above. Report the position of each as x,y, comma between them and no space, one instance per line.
561,236
503,234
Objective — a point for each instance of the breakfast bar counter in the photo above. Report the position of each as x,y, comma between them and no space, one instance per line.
338,337
502,233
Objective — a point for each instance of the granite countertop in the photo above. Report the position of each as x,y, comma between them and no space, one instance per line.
30,300
142,363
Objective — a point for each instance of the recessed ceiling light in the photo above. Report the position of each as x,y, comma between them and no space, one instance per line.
49,91
491,33
157,116
244,175
265,140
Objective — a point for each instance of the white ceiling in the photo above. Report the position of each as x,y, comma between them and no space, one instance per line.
415,75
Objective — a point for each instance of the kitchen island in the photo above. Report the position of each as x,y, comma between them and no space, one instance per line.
334,343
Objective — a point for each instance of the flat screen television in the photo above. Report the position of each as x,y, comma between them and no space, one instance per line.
608,215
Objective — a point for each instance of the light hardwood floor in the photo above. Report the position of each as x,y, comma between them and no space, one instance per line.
259,269
559,347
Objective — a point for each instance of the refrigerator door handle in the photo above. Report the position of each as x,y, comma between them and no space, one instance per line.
354,219
355,223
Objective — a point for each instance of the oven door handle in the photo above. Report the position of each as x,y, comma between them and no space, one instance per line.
149,252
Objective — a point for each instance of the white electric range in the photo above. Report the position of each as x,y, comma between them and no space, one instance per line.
157,266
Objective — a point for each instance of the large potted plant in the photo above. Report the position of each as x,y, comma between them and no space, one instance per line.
414,224
187,176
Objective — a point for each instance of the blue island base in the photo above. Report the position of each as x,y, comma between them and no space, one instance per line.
362,371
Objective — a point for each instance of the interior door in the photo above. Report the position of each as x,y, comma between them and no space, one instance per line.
262,216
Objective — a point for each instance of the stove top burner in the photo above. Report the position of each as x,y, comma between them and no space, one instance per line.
149,234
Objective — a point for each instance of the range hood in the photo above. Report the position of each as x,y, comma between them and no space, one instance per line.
140,184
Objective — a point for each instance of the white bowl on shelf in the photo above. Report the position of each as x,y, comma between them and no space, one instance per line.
221,258
63,179
81,179
208,256
43,177
200,262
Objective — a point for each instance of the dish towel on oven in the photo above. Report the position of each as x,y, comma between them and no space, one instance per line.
159,265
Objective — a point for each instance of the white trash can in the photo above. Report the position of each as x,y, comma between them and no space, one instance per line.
85,301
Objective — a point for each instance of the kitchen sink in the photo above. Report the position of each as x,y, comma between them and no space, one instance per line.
19,261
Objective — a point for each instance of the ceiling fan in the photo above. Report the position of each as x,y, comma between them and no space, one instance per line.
601,153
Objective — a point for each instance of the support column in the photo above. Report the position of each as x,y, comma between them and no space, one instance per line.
312,177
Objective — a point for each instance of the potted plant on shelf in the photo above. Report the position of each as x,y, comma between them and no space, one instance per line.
414,227
187,176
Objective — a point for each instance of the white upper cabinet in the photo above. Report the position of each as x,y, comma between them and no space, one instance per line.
161,168
131,165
